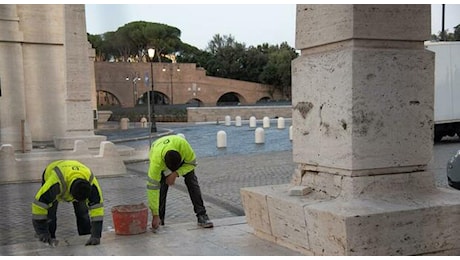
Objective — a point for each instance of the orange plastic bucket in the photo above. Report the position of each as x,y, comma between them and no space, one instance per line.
130,219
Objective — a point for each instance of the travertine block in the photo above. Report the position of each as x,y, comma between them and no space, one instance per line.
288,222
322,23
373,186
299,191
405,223
80,147
108,149
351,105
67,142
256,211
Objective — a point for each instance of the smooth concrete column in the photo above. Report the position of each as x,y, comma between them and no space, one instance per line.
14,127
362,137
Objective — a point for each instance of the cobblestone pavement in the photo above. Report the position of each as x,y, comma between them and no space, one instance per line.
221,175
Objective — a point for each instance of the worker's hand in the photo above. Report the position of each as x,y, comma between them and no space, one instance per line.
92,241
170,179
155,222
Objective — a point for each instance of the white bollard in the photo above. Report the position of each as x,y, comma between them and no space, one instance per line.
144,122
238,121
181,135
281,123
259,135
252,121
266,122
124,123
290,133
227,120
221,139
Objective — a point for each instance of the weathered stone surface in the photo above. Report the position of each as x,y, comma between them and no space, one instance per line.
323,24
362,127
406,223
299,191
360,101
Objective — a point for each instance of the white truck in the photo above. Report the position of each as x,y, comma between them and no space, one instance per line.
446,88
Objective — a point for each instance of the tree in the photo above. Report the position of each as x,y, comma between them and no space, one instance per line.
133,39
457,33
455,36
277,72
97,42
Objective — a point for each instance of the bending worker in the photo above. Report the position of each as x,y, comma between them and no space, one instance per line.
70,181
172,156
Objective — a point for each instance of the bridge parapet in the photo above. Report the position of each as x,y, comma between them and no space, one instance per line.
214,114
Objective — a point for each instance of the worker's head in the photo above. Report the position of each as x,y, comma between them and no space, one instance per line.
80,189
173,160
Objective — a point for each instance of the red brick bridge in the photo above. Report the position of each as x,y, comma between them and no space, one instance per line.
127,84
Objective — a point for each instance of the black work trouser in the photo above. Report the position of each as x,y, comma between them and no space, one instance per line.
194,191
81,214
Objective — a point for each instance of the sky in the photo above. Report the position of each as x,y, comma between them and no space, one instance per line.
251,24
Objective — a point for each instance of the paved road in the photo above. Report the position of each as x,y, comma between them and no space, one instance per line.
221,175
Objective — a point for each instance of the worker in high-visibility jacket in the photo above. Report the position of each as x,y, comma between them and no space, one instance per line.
172,156
70,181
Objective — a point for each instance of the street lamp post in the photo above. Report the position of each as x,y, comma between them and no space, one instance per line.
134,80
171,89
153,126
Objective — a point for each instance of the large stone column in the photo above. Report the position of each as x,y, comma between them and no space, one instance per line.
79,81
56,72
47,90
14,129
362,135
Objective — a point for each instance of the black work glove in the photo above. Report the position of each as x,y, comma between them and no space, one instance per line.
96,232
41,230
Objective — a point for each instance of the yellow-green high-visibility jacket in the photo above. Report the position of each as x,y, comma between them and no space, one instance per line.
157,165
58,177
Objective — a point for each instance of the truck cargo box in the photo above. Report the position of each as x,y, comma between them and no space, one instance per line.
447,88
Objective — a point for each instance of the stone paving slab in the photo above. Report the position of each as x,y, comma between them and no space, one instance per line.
220,180
229,237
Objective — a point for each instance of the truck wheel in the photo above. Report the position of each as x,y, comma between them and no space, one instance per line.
437,138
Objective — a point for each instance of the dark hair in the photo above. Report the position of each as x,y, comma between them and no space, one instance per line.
173,160
80,189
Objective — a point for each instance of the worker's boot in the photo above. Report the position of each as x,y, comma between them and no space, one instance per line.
203,221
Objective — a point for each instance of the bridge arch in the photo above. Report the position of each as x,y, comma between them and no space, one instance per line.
159,98
230,99
106,98
264,99
195,101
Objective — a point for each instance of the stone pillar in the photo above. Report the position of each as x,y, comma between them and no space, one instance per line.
79,80
362,137
14,128
44,71
46,76
47,91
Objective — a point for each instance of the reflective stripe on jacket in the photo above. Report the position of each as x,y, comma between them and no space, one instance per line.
58,178
157,165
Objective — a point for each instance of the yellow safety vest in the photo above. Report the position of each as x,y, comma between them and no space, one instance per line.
157,165
64,172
